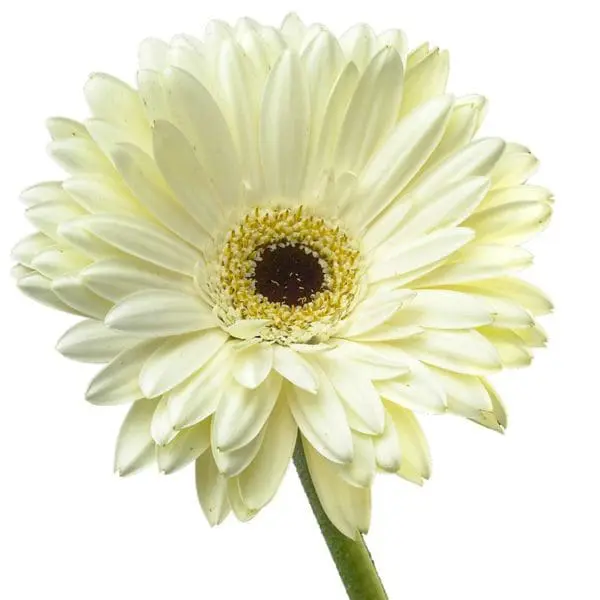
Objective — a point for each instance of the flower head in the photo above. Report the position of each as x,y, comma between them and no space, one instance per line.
278,231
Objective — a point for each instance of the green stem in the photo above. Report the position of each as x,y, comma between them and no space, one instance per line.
352,558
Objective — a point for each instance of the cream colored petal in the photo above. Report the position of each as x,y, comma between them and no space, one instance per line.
246,328
141,175
153,94
464,122
39,288
444,309
240,510
396,162
234,462
79,156
186,447
100,194
57,262
477,159
259,482
114,279
179,313
187,178
198,397
466,352
359,43
388,453
243,412
293,30
252,365
296,369
417,391
386,225
135,446
211,488
162,429
117,383
521,292
144,240
72,291
195,111
152,54
284,127
425,80
479,261
361,471
447,207
30,246
422,252
76,234
512,223
517,193
43,192
322,420
357,392
466,394
534,337
415,451
372,111
510,347
348,507
91,341
47,216
395,38
61,128
514,167
177,358
373,311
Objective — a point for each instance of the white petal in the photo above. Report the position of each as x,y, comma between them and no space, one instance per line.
177,358
246,328
101,194
79,156
465,393
514,167
57,262
144,240
233,462
187,446
91,341
117,383
152,54
518,193
427,79
117,278
141,175
348,507
242,413
30,246
357,392
372,112
322,420
152,93
252,365
358,43
39,288
444,309
196,112
72,291
512,223
393,165
510,347
373,360
43,192
259,482
284,127
525,294
242,512
211,487
477,262
416,459
161,428
361,471
156,313
135,446
460,351
424,251
48,216
198,397
295,369
61,128
187,178
372,312
388,453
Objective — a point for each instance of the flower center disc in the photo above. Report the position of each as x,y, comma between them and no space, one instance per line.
289,274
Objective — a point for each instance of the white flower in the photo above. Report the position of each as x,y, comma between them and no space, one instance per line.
281,231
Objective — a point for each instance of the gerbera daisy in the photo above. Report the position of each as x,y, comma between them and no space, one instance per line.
279,235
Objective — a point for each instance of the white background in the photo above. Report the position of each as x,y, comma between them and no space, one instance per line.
512,516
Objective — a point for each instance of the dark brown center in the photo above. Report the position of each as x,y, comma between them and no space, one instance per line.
289,275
